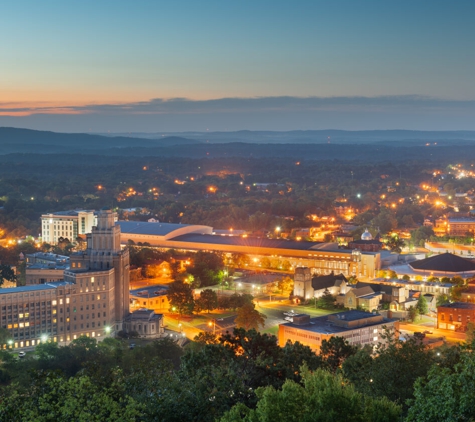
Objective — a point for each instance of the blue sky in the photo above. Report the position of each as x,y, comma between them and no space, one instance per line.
64,62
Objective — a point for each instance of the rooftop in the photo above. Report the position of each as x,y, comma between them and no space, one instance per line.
458,305
69,213
157,229
35,287
150,291
325,281
445,262
334,323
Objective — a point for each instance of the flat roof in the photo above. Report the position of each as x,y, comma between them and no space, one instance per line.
459,305
35,287
255,242
68,213
323,325
150,291
39,266
142,227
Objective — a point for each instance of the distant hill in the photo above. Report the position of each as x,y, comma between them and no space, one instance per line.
317,136
14,140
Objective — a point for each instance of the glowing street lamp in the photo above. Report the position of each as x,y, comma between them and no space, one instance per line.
107,329
213,324
44,338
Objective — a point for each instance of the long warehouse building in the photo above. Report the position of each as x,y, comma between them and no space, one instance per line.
321,258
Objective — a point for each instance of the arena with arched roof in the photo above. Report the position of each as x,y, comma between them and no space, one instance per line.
323,258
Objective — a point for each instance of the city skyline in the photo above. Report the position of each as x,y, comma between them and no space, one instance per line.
259,66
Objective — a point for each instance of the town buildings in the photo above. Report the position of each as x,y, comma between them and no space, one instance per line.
357,327
455,316
67,225
322,258
145,323
442,265
307,286
92,300
45,267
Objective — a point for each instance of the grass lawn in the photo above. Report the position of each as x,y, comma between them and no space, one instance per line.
272,330
424,320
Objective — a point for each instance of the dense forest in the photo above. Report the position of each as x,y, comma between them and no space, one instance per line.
240,376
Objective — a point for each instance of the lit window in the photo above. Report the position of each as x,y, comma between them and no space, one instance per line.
54,303
67,300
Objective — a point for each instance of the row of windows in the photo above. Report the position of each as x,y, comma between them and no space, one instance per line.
451,318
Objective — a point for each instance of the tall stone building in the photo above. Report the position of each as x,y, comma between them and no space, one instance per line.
92,300
104,258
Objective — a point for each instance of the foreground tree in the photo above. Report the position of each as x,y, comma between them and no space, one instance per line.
422,305
322,397
248,317
335,351
208,300
180,296
53,397
447,393
374,372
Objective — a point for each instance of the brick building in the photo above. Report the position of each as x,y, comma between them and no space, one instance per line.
455,316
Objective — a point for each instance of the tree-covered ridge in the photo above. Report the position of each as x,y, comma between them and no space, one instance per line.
243,376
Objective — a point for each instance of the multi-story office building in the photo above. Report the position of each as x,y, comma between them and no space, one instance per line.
357,327
44,268
66,224
92,300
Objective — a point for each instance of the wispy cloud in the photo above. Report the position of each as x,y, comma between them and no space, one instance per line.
244,105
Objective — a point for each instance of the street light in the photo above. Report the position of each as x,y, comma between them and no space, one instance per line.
180,327
213,324
44,337
10,343
107,329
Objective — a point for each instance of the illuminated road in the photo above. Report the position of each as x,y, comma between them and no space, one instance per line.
451,336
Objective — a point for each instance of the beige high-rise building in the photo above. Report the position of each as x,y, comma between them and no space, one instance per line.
93,299
66,224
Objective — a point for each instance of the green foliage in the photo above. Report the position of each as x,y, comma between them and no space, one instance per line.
6,273
335,351
248,317
207,267
285,284
446,394
53,397
321,397
208,300
412,313
442,299
422,305
180,297
390,370
394,243
326,300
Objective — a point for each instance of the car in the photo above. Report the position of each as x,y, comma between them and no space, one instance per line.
290,319
427,332
21,354
131,345
291,313
220,319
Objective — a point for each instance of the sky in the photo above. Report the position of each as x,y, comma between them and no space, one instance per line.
187,65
